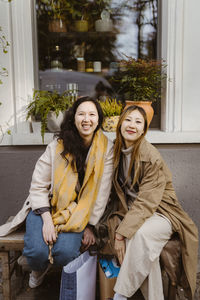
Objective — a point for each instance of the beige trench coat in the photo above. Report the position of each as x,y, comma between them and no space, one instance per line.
41,187
156,194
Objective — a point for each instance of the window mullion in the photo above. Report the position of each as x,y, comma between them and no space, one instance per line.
172,52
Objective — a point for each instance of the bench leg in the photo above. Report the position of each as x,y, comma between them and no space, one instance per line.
17,267
4,256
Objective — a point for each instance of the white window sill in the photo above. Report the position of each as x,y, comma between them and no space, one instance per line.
153,136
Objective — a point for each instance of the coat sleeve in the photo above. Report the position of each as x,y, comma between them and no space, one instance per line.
150,194
42,178
105,187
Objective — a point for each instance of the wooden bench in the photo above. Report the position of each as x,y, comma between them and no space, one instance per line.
12,243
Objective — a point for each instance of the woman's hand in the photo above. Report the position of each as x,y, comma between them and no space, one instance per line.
120,247
88,238
48,229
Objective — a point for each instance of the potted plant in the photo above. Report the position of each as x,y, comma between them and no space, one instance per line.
49,108
139,82
111,109
57,10
82,15
85,12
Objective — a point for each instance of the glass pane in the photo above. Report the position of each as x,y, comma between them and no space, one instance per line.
81,43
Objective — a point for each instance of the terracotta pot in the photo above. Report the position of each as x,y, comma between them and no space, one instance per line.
146,105
57,25
110,123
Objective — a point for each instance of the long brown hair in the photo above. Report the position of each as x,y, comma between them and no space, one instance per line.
72,141
119,143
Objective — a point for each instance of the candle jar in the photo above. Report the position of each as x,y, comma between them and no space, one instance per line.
97,66
89,66
80,64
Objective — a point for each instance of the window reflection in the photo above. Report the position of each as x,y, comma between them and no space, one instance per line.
81,42
137,29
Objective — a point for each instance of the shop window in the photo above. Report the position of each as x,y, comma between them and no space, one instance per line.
80,44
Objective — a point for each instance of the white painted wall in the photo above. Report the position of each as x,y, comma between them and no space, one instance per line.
6,91
191,67
16,20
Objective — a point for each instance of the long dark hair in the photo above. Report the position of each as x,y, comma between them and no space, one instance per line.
72,141
119,143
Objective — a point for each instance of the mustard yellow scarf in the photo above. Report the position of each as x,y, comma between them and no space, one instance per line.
67,214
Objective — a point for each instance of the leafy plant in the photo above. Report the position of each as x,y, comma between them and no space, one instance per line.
55,9
89,10
74,9
4,45
140,80
111,107
45,102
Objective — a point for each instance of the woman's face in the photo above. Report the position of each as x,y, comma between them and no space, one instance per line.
86,120
132,127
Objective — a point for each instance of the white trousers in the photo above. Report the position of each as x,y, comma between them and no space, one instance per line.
141,267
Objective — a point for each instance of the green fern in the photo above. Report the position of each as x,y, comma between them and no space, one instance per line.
44,102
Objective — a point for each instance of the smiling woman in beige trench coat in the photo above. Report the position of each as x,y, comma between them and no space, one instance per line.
147,213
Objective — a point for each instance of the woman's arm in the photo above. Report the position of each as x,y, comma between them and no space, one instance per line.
40,190
41,179
150,194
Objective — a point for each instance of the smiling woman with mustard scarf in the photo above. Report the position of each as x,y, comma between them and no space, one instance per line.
76,171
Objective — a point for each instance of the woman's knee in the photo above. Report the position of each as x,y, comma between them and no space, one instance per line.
39,254
37,258
142,233
67,248
36,253
151,237
35,248
155,227
64,256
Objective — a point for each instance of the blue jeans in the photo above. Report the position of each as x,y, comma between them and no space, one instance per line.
65,249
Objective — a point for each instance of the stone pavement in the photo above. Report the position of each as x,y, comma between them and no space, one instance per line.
49,290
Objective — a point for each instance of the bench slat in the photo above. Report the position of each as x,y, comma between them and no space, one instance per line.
16,237
13,241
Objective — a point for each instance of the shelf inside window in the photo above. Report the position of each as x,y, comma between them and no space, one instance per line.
75,34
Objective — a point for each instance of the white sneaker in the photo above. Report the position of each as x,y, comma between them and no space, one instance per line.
22,261
36,277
